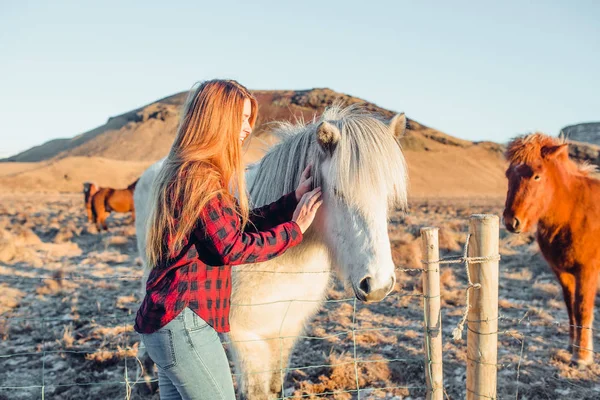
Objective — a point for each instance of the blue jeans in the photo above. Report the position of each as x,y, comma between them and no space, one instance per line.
191,360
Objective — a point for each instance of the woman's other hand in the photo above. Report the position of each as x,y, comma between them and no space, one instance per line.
307,208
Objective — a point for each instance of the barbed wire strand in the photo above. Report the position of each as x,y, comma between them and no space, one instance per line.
519,367
86,277
354,349
281,371
350,391
326,337
43,363
332,365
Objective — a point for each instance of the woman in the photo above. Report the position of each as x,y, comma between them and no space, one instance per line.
198,230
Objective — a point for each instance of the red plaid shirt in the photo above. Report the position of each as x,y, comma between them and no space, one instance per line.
199,277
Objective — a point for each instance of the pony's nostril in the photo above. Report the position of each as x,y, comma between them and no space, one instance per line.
516,223
365,285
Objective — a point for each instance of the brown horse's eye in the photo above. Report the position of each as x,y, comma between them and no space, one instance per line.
536,178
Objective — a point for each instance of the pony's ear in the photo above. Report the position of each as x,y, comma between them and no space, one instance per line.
556,152
398,125
328,136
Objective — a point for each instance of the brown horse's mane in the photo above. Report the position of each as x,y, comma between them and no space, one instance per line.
527,149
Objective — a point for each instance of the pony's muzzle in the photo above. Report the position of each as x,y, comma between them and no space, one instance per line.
367,293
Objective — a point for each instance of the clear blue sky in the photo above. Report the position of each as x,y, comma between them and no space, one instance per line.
476,70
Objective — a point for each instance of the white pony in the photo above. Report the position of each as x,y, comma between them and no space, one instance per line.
357,161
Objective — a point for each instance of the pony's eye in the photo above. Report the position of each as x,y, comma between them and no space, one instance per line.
536,178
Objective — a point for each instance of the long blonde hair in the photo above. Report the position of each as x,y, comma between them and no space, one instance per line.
204,161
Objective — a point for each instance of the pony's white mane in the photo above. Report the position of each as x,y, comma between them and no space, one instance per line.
367,160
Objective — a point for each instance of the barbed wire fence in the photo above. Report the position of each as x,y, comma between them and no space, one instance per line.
513,329
130,383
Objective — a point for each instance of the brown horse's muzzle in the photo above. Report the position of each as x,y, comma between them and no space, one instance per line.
512,223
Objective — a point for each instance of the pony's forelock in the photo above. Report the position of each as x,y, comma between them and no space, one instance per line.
527,149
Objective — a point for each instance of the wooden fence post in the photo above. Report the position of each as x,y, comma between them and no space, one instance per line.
433,319
482,336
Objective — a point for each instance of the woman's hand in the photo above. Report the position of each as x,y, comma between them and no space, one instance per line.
305,184
307,208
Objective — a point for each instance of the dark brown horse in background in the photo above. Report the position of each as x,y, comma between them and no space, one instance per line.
109,199
89,190
547,189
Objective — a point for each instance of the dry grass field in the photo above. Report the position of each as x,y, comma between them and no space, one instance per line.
69,295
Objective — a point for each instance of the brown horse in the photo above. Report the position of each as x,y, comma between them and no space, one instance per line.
547,189
108,199
89,190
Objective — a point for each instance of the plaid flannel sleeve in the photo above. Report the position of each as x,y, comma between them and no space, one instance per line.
278,212
220,232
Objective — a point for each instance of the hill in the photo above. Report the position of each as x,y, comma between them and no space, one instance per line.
68,174
116,152
146,133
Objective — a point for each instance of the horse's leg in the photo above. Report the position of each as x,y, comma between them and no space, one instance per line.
146,368
585,295
567,282
103,220
252,356
281,350
88,208
95,216
146,371
98,221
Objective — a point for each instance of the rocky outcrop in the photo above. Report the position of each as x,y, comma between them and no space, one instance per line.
588,132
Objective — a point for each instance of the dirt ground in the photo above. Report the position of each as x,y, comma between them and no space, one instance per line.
68,295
